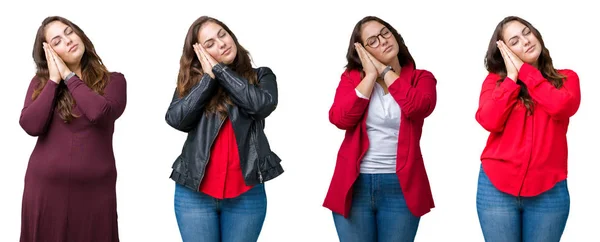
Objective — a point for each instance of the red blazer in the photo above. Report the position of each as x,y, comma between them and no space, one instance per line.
525,154
415,92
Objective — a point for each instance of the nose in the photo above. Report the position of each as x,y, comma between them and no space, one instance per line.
220,43
526,41
382,41
68,40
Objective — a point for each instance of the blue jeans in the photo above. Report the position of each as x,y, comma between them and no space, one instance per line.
504,217
378,213
202,218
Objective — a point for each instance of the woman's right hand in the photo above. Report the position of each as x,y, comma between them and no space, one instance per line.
367,64
54,74
511,69
206,66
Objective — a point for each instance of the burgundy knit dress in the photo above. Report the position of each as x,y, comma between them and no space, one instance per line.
69,193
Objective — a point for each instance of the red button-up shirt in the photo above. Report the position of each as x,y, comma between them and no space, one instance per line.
223,176
415,93
525,154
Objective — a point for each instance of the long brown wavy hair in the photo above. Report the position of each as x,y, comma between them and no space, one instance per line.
190,69
94,73
494,62
404,56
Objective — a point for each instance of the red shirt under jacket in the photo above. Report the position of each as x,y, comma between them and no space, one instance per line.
525,154
415,92
223,176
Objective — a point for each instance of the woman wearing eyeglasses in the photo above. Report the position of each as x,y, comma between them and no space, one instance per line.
380,188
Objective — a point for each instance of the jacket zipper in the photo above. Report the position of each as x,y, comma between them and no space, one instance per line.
209,149
260,178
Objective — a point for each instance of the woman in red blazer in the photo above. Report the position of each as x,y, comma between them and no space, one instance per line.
379,188
525,104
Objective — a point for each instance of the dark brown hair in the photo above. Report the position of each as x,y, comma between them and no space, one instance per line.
94,73
494,62
190,69
354,63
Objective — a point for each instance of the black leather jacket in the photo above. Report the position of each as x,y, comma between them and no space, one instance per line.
252,104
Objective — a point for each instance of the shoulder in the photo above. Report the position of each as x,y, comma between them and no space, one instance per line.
492,77
570,74
116,77
263,71
423,73
352,75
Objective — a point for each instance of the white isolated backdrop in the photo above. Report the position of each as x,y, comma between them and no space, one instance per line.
305,43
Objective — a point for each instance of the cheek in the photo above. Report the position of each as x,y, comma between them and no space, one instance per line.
516,49
61,51
214,52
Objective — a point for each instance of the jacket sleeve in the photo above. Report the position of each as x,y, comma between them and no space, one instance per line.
185,112
347,108
559,103
36,114
100,108
496,102
259,101
418,101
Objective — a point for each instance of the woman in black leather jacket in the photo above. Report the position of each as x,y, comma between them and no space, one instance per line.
221,101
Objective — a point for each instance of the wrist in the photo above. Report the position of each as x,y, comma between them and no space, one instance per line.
69,76
370,75
385,70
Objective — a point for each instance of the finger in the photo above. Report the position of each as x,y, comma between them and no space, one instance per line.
361,55
57,59
505,57
46,54
356,47
50,58
509,54
200,56
207,56
211,60
197,51
368,57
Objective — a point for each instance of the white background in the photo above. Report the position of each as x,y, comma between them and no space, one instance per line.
305,44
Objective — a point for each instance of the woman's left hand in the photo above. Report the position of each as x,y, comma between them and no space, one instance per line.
378,65
60,64
514,58
207,56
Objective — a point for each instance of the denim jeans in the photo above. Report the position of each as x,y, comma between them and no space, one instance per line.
378,213
202,218
504,217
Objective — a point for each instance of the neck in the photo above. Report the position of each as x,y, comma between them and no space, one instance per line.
395,64
75,68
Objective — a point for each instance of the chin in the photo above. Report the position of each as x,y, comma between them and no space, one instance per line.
228,61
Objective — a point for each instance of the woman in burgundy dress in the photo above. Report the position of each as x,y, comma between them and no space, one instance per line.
71,106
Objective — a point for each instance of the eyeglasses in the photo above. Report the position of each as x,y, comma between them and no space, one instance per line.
373,41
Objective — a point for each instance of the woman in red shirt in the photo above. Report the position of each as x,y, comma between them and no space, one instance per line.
222,103
525,104
379,189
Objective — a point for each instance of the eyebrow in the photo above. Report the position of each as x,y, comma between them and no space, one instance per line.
523,30
64,31
377,33
218,32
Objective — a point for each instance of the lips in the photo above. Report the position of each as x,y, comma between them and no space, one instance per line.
388,49
73,48
226,51
530,49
